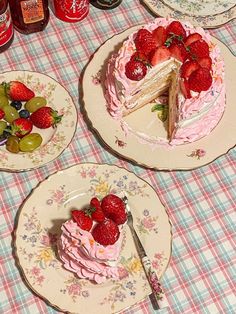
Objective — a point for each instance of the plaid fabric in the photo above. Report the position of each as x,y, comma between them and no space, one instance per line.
200,203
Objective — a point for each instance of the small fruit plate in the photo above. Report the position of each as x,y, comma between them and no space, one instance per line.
39,228
54,139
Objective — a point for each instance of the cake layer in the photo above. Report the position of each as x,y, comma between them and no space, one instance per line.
124,95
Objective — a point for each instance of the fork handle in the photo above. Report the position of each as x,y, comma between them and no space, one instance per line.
150,273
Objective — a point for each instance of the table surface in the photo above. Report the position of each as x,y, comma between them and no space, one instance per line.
200,203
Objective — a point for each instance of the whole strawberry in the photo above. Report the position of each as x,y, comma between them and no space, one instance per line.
21,127
18,91
82,219
2,114
135,70
96,210
140,56
114,208
106,232
45,117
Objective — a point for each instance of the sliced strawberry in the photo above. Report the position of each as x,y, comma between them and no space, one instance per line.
135,70
96,210
82,219
205,62
177,52
161,54
192,38
184,86
199,49
159,34
144,41
200,80
188,68
176,28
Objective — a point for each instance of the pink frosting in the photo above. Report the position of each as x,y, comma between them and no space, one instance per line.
207,102
82,255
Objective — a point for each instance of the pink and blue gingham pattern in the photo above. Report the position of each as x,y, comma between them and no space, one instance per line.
201,203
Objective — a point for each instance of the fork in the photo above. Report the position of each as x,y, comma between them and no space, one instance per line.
153,280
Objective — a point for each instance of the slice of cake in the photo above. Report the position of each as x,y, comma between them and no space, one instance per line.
91,241
174,57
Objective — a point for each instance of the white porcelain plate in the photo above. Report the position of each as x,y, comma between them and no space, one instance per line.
205,13
38,229
55,140
128,145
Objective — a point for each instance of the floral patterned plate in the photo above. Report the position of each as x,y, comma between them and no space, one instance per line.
205,13
55,140
143,121
38,229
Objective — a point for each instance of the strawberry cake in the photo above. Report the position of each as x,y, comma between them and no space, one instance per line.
92,239
174,61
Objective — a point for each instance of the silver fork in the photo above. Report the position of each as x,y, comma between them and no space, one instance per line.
153,280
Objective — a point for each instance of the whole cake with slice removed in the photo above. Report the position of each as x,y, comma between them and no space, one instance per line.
92,239
171,60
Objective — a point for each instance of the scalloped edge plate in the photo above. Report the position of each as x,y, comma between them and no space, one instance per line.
182,157
38,229
160,8
55,140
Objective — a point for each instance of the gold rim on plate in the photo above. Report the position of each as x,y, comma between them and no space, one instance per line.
182,157
211,20
55,140
38,228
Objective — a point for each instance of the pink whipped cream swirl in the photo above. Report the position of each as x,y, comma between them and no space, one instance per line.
208,101
81,254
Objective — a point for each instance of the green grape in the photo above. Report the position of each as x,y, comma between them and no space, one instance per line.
2,90
30,142
4,101
10,113
35,103
3,126
12,144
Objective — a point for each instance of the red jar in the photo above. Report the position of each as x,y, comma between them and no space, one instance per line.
6,27
70,10
29,16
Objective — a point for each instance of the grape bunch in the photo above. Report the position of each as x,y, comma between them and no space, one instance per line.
21,113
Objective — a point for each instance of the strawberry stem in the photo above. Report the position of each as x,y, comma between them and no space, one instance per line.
56,117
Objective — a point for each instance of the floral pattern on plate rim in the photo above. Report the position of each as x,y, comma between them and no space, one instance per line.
201,7
58,139
43,242
209,21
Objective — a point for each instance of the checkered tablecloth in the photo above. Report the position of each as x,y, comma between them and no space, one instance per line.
201,203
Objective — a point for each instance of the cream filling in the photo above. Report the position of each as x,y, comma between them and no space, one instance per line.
198,114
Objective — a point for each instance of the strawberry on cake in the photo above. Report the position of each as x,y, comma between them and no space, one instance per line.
168,57
91,240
